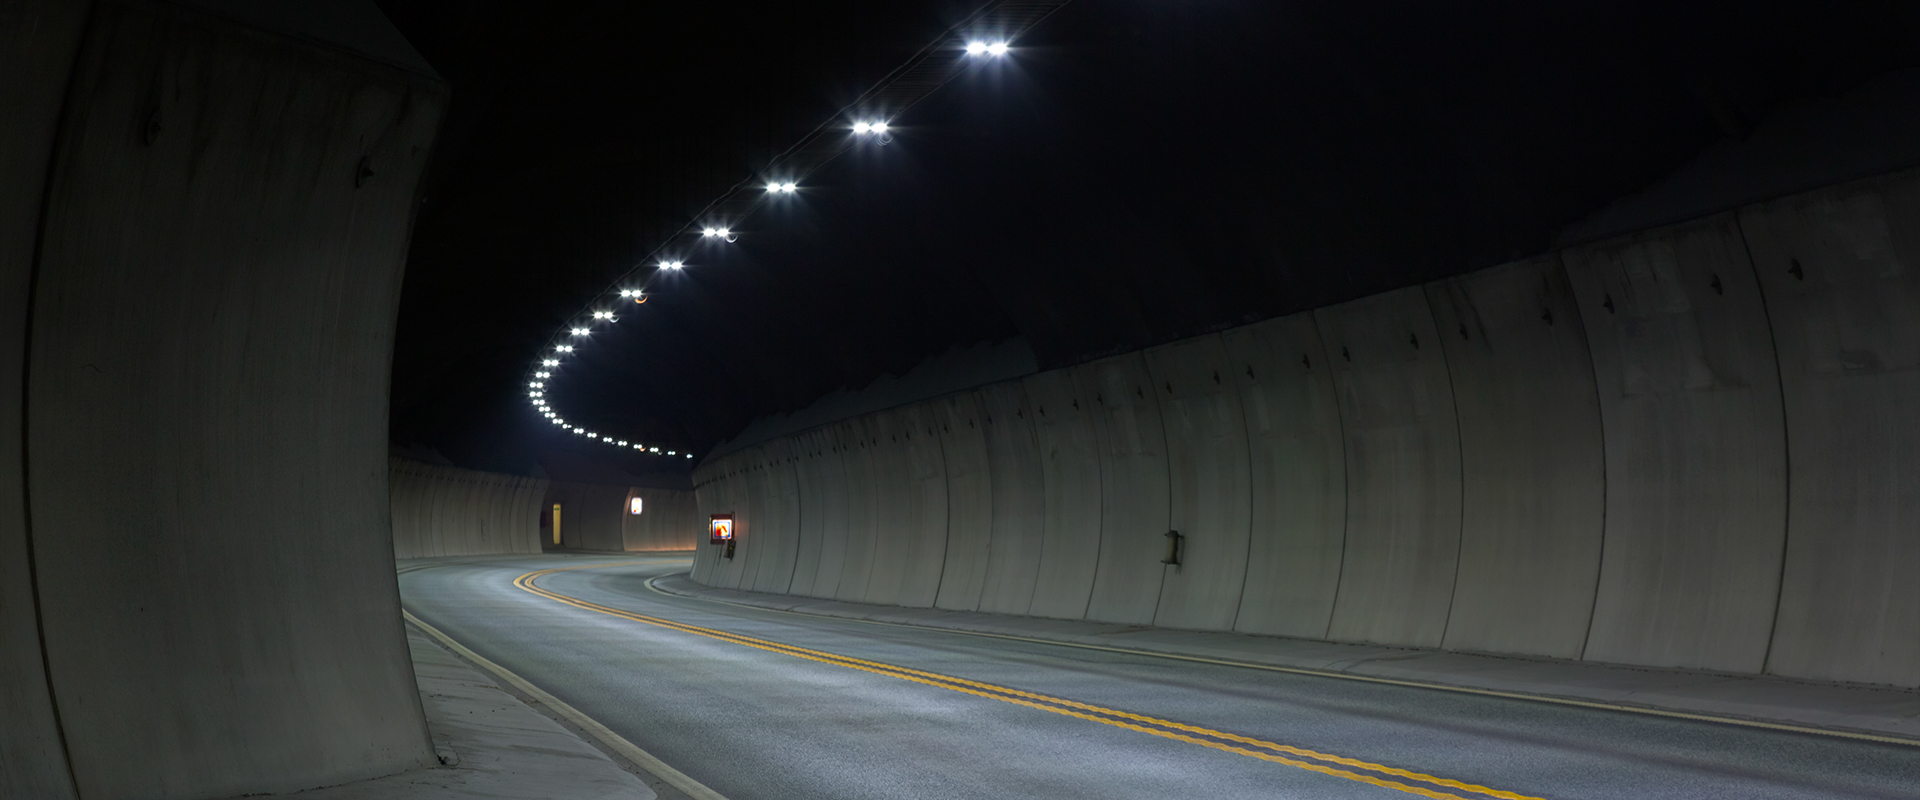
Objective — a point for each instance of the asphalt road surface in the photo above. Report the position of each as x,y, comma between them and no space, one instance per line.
765,705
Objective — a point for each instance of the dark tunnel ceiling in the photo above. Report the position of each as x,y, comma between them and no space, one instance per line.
1138,171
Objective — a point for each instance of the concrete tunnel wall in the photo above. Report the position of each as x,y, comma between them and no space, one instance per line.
598,517
1692,446
447,511
201,237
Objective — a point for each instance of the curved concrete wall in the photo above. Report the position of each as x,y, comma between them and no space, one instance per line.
1689,447
445,511
206,549
595,516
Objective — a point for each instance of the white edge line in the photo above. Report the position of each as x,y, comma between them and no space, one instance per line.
619,744
1564,701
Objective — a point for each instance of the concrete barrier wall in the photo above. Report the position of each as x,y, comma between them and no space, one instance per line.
669,519
445,511
1688,447
205,466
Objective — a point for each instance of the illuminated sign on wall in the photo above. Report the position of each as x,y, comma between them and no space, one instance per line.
720,528
633,506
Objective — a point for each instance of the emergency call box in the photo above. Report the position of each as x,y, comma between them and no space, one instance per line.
720,528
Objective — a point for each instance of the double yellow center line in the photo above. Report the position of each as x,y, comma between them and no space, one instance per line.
1323,763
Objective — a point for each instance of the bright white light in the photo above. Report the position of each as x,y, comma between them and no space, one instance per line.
782,188
593,436
535,384
581,331
639,447
551,362
789,187
653,450
670,265
579,430
976,48
709,231
722,232
997,49
603,315
671,453
773,187
533,394
541,375
565,348
689,455
862,127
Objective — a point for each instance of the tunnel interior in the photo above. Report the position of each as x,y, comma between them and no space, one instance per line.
379,367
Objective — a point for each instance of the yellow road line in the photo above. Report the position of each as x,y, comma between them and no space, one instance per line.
1165,728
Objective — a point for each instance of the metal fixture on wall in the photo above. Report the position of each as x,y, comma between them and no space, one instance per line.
1174,543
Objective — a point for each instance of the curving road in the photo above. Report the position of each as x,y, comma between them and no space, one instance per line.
764,704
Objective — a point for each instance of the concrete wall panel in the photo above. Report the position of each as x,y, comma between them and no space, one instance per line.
1534,474
1206,440
1070,469
730,573
711,498
924,529
858,444
823,508
444,511
207,464
38,39
1841,272
1403,470
895,542
963,448
757,545
1696,463
1135,506
666,521
1019,493
1297,473
781,492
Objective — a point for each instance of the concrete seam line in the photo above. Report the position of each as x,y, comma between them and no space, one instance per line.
1538,698
629,750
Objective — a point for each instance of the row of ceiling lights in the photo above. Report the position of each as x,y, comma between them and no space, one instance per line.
550,362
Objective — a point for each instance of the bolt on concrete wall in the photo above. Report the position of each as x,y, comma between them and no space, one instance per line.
206,466
1583,455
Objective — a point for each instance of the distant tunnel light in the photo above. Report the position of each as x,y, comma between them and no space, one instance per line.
776,187
979,48
565,348
542,375
669,265
634,506
875,126
581,331
551,362
606,315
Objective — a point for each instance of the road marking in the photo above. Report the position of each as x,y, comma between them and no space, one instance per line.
1167,729
1318,673
613,741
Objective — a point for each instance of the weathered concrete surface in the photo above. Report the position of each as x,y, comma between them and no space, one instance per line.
1207,469
445,511
207,464
963,450
497,746
1695,454
592,515
778,495
1134,502
858,446
1595,469
1019,499
1841,274
924,527
1530,460
1070,470
823,516
38,39
1297,477
667,521
1403,470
